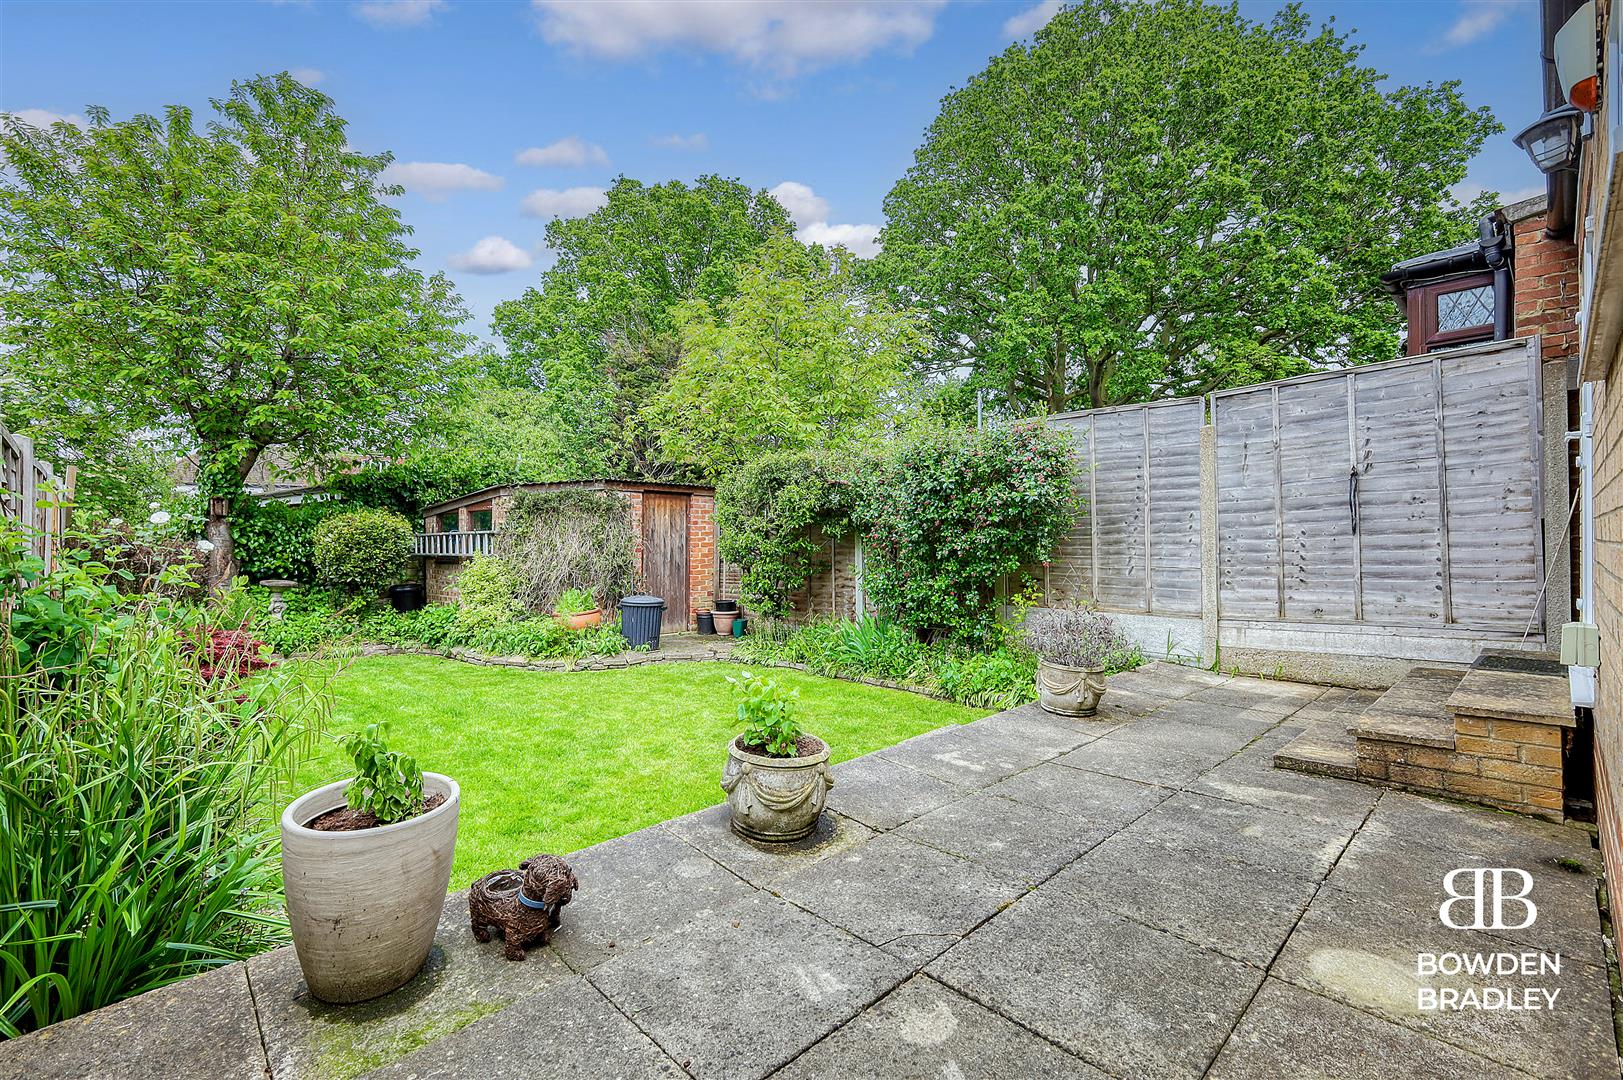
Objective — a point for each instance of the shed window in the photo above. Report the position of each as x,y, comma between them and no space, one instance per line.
1465,308
479,520
449,522
1444,314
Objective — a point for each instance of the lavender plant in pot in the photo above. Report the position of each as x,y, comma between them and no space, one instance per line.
1075,646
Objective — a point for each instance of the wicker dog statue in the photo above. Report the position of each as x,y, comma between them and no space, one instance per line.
523,904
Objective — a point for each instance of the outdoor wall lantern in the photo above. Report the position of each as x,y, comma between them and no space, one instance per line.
1552,140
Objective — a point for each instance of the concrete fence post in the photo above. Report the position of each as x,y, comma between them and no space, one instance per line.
1208,545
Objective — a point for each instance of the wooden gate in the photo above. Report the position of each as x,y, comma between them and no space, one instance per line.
1403,494
1136,545
665,554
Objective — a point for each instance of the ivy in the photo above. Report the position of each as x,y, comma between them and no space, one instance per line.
947,516
774,517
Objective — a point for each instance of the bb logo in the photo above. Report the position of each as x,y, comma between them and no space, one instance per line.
1484,893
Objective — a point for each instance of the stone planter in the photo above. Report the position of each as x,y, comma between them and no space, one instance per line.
775,800
1069,691
363,905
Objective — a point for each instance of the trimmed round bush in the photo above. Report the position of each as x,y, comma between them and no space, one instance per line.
362,549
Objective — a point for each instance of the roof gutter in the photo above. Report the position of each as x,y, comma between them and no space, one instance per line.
1560,188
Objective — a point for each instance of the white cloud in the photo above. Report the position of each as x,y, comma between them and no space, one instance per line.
568,203
809,211
805,206
1031,20
309,76
572,151
399,12
435,180
492,255
677,141
44,118
781,36
1477,19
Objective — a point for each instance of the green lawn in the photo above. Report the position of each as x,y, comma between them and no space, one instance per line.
556,761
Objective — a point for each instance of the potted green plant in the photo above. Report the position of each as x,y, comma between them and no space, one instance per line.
1075,646
365,866
577,610
777,776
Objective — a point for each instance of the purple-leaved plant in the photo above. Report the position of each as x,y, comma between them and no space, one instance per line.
1079,637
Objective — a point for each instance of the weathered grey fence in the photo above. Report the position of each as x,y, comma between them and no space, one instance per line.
1395,509
1402,494
29,492
1136,545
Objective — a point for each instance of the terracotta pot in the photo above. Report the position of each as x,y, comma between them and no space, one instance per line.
1069,691
363,905
775,800
581,620
724,622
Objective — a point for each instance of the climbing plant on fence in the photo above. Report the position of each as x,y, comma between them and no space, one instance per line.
775,516
568,538
945,517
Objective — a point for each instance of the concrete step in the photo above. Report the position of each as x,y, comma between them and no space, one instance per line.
1323,750
1415,710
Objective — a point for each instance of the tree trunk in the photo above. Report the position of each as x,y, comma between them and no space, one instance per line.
222,558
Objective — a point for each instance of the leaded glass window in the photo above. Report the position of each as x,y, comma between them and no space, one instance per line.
1464,308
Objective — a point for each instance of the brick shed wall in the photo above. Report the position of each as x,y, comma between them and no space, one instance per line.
701,552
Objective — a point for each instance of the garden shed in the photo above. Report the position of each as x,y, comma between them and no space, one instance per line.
674,526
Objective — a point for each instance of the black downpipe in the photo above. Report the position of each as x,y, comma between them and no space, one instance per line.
1494,236
1560,188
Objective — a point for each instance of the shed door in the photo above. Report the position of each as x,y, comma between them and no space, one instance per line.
665,554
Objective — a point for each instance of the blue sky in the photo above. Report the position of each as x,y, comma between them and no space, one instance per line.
502,113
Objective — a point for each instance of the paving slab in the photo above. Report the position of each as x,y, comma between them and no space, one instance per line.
1454,826
1015,840
1195,728
1152,763
893,887
1165,679
1031,723
201,1028
1201,896
744,991
1411,874
972,756
462,981
1251,778
1264,697
924,1031
1092,800
565,1032
1364,951
1255,835
1126,998
636,889
883,794
711,832
1289,1032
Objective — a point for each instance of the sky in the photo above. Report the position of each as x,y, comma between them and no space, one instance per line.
502,113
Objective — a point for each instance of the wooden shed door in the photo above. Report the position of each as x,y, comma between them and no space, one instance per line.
665,554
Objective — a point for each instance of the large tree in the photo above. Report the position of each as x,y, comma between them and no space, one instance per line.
802,357
598,333
1158,199
237,287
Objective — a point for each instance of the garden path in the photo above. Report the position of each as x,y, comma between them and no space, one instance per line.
1139,895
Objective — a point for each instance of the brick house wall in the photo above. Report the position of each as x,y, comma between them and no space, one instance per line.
1546,287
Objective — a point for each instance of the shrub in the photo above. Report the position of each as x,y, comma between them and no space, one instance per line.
575,602
277,540
948,516
767,712
136,796
775,517
361,550
488,592
1080,637
568,538
387,783
142,559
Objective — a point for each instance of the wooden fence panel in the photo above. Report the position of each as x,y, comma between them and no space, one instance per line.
1248,505
1318,548
30,492
1136,545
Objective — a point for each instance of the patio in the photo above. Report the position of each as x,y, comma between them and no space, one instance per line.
1141,895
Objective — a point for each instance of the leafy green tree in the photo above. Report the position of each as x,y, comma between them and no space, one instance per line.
237,287
801,356
1160,199
598,332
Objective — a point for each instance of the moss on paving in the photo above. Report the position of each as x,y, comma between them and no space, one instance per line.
558,761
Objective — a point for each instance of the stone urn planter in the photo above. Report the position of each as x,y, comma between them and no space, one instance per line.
776,799
363,905
1069,691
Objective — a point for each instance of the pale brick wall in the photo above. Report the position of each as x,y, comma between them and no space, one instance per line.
1608,518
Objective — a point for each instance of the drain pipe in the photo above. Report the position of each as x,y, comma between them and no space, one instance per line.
1493,237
